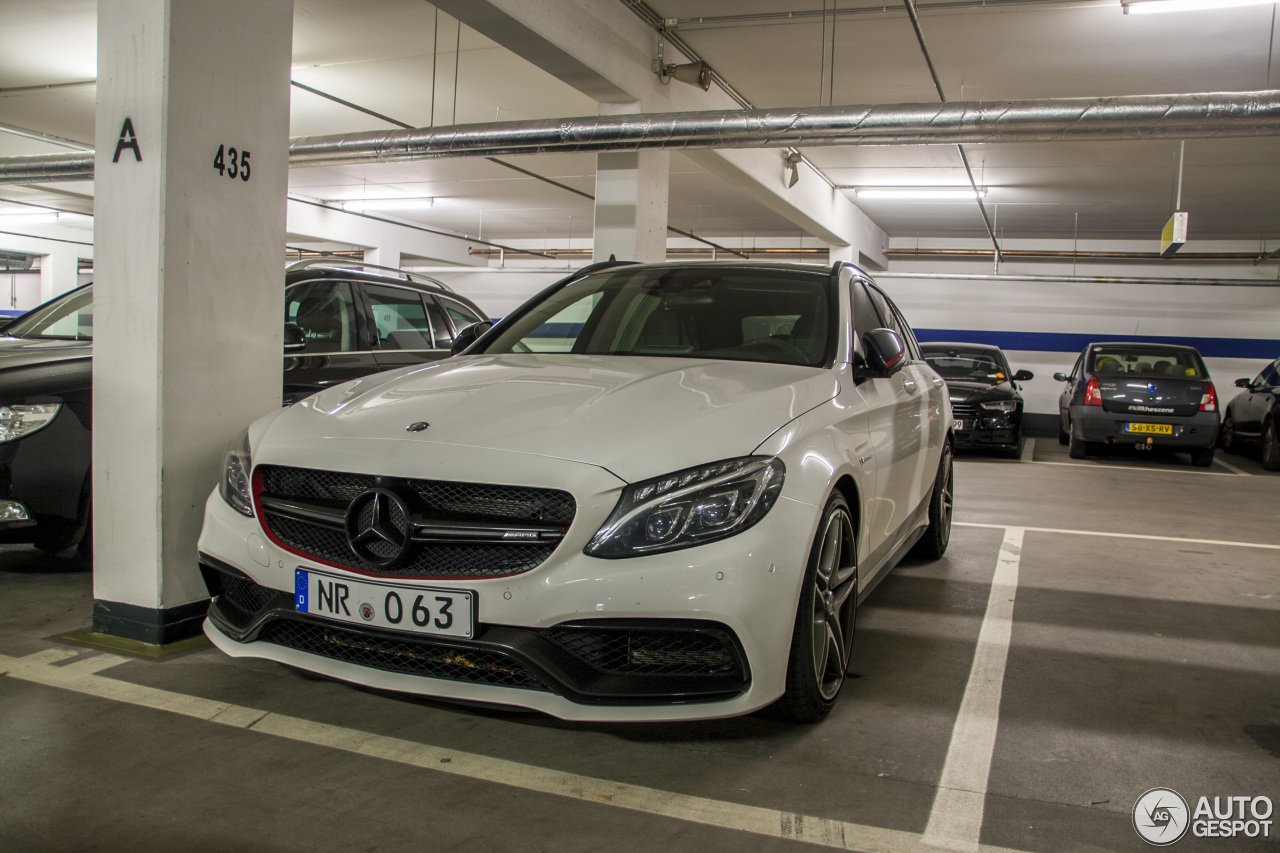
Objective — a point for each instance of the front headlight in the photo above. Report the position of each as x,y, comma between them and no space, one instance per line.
236,488
690,507
19,421
1005,406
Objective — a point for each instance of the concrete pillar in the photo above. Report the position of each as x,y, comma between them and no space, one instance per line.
386,253
188,293
631,201
58,273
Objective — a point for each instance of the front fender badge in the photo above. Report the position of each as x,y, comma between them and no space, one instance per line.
417,426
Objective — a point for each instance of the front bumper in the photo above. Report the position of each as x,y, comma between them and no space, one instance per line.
728,607
48,473
1093,424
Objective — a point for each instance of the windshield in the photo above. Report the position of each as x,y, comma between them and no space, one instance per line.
69,319
781,316
964,365
1148,360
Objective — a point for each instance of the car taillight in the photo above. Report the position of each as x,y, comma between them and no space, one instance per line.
1209,401
1092,397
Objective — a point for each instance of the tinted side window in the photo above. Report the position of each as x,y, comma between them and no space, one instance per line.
461,315
865,317
440,333
400,318
893,320
326,312
1270,375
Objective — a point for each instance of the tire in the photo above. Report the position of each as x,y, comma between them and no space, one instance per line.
1014,451
1202,457
1077,448
1270,446
825,618
933,544
1227,435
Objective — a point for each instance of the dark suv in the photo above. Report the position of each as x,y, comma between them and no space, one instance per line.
342,320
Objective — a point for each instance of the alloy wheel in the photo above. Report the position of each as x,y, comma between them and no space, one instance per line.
834,604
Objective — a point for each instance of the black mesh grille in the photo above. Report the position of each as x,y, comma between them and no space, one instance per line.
245,594
430,499
640,651
409,655
442,499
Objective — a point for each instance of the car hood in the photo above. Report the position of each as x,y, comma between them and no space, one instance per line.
25,352
634,416
966,392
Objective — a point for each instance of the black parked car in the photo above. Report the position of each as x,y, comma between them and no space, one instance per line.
984,394
1143,395
340,323
1255,414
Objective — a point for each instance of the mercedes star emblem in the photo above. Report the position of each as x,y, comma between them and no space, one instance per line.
378,528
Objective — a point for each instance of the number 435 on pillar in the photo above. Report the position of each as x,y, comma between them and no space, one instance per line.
232,163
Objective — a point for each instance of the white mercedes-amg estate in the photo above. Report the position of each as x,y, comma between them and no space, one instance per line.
653,492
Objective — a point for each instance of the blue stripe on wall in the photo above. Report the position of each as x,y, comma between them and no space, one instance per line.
1264,348
7,313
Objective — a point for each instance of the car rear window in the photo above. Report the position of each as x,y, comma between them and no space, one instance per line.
782,316
1152,360
966,365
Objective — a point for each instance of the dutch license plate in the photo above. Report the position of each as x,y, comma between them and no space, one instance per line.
447,612
1153,429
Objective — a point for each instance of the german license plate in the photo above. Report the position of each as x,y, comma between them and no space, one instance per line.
447,612
1152,429
959,426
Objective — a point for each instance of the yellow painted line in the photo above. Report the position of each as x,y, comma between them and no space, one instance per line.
84,677
1233,544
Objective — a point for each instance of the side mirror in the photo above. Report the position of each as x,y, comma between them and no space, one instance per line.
468,335
885,352
1243,383
1061,377
1023,376
295,340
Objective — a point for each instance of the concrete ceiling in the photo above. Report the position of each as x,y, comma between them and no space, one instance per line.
382,55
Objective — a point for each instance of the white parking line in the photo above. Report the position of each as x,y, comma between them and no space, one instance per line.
82,677
956,819
1230,467
1231,543
1028,450
1135,468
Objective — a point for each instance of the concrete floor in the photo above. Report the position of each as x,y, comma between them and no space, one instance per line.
1131,663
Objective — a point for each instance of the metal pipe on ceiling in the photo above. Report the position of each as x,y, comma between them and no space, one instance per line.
1141,117
1205,115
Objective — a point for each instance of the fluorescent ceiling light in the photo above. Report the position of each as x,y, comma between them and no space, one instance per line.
920,193
388,203
24,218
1151,7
